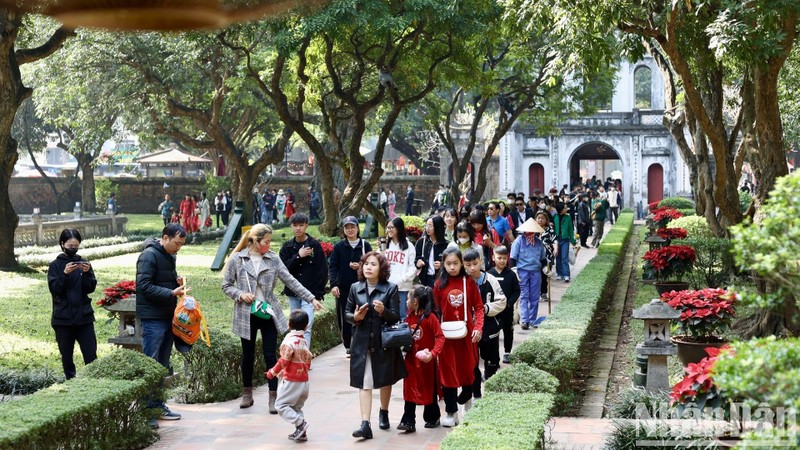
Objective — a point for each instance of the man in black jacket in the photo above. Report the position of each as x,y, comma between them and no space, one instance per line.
520,213
305,259
584,219
157,290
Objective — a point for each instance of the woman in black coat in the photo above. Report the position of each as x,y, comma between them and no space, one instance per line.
343,272
430,248
372,302
71,279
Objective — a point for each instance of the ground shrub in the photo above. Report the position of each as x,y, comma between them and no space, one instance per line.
661,435
86,412
522,378
24,382
696,226
502,421
414,221
637,403
677,203
714,265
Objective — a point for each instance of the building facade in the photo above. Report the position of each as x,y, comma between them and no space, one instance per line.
625,141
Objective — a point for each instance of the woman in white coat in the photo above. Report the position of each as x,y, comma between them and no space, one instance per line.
401,255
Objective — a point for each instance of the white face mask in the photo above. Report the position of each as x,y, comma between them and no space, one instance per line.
463,241
542,205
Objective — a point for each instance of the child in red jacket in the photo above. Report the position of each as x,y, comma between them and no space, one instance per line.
420,385
292,368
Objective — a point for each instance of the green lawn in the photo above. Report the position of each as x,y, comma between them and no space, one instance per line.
26,337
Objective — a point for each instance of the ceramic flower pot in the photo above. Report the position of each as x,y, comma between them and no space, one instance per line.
693,350
668,286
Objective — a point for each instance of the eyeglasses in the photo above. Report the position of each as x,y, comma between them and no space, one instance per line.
520,204
491,207
390,227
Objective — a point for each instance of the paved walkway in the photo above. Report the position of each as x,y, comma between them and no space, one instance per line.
332,409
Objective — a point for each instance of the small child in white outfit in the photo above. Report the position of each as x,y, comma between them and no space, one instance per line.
292,368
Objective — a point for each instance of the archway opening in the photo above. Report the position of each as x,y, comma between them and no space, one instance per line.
535,178
655,183
643,87
594,160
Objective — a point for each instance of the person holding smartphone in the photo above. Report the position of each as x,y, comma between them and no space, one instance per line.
71,279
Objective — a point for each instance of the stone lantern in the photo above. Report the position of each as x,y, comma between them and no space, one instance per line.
651,224
658,317
655,241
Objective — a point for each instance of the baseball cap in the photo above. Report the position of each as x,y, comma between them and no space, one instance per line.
350,220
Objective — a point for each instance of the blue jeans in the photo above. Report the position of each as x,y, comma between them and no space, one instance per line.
530,285
403,306
562,261
298,303
157,339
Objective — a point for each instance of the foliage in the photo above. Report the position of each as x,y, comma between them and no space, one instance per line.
559,341
414,221
695,226
697,387
521,425
761,371
703,313
676,203
117,292
663,434
671,233
663,216
638,403
124,364
38,420
714,264
43,260
744,201
771,247
522,378
213,374
85,244
24,382
103,187
213,184
665,262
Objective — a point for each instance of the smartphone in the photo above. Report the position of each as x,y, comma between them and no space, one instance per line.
83,261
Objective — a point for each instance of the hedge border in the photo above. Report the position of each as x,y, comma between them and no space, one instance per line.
554,350
84,412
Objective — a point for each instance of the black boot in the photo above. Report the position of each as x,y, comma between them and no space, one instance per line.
383,419
365,432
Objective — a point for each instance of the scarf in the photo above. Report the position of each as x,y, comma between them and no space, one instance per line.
531,238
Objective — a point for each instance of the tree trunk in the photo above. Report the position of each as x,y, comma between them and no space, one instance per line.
88,199
10,219
330,222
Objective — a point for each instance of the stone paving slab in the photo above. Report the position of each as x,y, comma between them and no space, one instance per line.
332,409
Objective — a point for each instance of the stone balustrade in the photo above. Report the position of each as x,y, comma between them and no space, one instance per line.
41,232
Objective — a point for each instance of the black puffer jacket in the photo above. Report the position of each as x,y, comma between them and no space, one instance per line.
156,278
71,302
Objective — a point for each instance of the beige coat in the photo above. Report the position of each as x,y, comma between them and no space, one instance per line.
235,283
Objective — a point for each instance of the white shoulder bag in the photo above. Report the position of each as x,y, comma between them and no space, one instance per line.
457,329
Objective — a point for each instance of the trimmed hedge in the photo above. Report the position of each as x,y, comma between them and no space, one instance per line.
213,374
86,412
522,379
502,421
519,399
557,345
677,203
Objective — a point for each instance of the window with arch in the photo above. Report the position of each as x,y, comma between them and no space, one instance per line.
642,87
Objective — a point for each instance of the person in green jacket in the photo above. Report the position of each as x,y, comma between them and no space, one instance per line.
565,235
599,218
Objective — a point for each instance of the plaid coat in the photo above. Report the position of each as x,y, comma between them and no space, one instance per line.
235,282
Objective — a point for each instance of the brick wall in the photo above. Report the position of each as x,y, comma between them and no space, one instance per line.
142,195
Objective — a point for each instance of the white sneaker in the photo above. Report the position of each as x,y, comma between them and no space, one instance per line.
450,420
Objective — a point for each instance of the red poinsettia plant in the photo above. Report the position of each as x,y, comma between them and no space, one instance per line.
662,216
704,313
671,233
697,386
413,232
652,207
671,261
327,248
117,292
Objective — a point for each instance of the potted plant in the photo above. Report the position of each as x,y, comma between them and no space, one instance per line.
667,265
697,388
704,315
663,216
668,234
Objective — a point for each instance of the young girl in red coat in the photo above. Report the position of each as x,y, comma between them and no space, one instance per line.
420,384
458,359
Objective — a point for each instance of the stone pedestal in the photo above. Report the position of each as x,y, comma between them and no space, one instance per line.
657,373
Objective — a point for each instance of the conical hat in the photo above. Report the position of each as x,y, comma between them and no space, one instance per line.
530,226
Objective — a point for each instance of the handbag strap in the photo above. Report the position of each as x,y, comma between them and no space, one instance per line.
464,280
